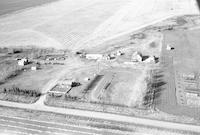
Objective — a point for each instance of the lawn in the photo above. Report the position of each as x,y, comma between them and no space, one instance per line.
32,80
125,89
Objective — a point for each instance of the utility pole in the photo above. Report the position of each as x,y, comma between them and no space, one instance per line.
98,67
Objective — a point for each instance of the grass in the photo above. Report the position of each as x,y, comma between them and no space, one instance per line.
29,83
19,95
21,84
55,26
116,109
185,59
104,125
18,98
32,80
121,93
10,92
123,90
186,53
110,101
92,106
9,69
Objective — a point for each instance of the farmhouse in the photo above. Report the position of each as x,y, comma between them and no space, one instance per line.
23,62
151,59
136,57
94,56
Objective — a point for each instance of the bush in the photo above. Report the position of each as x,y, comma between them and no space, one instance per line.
68,97
17,91
8,70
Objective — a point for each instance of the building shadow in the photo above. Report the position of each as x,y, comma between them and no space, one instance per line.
145,57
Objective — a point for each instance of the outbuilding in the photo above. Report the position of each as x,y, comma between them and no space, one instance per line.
34,68
169,47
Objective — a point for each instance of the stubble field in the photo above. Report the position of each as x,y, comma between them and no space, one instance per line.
77,24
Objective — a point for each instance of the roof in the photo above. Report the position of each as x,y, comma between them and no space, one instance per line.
59,89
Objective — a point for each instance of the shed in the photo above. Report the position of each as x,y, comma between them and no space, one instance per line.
35,67
169,47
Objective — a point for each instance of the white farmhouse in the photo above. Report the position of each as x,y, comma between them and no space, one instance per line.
136,57
94,56
151,59
23,62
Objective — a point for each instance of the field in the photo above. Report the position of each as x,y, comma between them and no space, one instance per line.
9,6
186,54
54,25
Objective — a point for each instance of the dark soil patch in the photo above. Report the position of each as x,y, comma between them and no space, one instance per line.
153,45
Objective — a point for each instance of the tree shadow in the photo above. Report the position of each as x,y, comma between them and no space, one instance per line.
198,3
156,59
157,84
158,77
145,57
155,90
